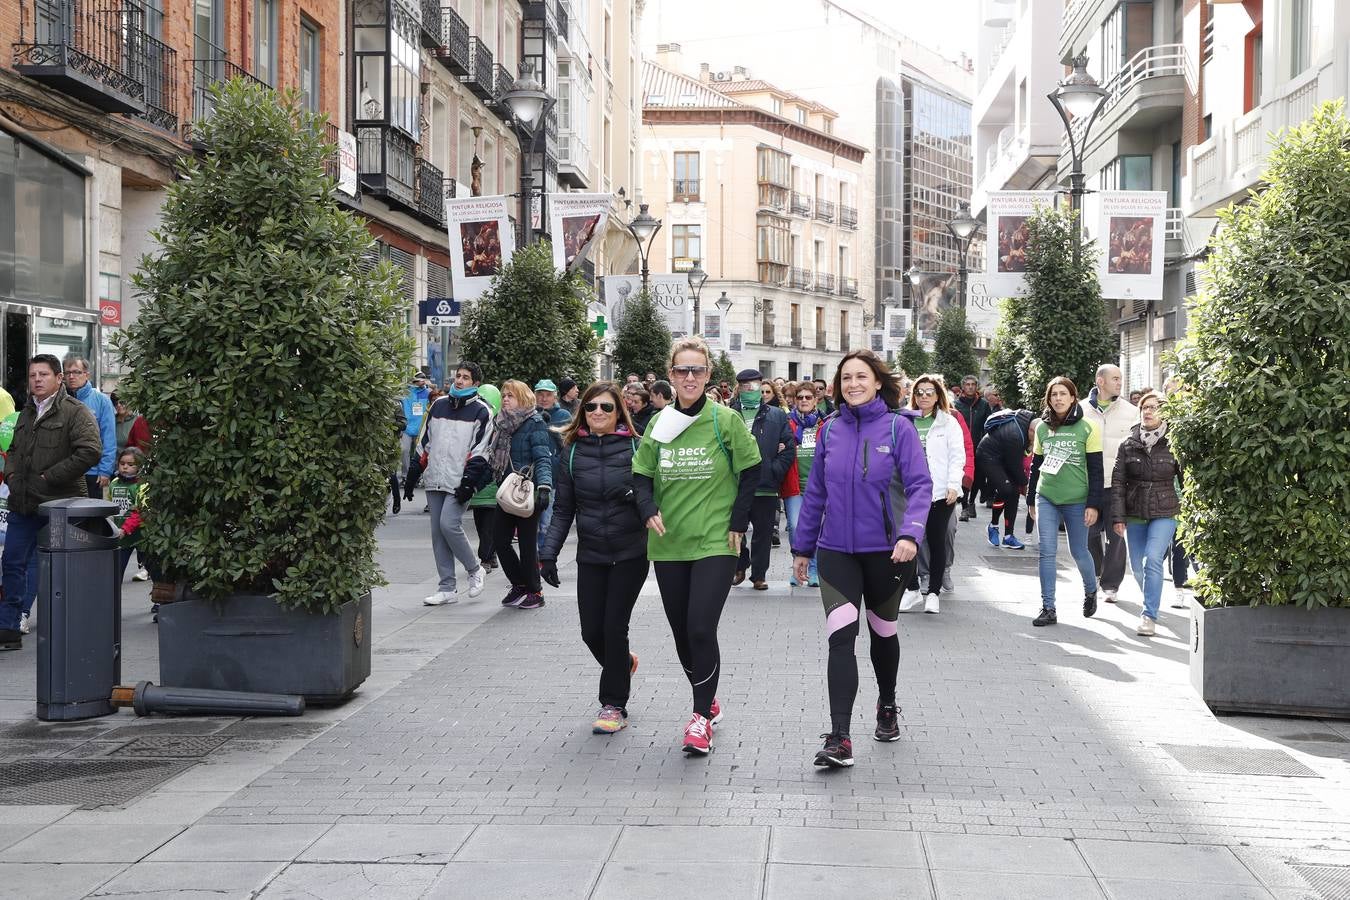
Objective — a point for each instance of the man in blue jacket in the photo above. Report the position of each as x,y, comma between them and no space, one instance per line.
415,404
778,451
554,416
100,404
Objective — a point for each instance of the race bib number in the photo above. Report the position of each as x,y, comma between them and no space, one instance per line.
417,409
1055,458
809,440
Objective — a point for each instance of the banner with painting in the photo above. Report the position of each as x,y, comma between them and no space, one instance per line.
897,327
982,307
714,331
481,228
1130,230
578,220
1006,251
669,291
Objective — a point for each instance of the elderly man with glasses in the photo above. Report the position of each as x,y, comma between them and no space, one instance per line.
100,404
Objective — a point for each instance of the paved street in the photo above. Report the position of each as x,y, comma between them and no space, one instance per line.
1033,763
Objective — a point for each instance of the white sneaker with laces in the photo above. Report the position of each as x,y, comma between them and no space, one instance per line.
440,598
930,604
910,600
1180,598
476,580
1109,596
1147,627
141,575
26,624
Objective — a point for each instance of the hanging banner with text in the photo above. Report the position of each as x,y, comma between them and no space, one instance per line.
876,341
714,331
1129,228
897,326
578,220
480,227
671,293
983,308
1006,252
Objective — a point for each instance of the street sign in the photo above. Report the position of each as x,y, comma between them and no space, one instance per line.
438,312
110,312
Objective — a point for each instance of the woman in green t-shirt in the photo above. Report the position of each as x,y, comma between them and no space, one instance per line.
1066,486
694,476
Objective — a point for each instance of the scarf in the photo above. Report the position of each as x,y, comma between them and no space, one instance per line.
804,422
1152,437
504,427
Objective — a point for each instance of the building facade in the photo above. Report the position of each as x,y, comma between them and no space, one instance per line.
755,182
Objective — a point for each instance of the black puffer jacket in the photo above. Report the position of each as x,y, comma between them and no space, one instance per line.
593,483
1143,483
1004,445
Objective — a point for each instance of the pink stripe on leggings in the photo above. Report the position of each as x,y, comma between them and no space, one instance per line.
841,617
880,625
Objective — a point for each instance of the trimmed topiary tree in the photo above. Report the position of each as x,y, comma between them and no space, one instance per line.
1262,422
268,365
913,358
531,323
954,347
723,369
642,343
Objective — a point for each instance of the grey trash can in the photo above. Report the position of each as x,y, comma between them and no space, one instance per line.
79,658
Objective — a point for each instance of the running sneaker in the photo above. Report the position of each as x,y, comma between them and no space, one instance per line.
441,598
532,600
1090,604
716,712
813,582
476,579
1047,617
698,735
837,752
1109,595
931,604
1147,627
1012,543
912,599
514,595
610,720
632,666
142,574
992,532
26,624
888,722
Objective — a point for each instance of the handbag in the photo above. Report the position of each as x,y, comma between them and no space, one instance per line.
515,494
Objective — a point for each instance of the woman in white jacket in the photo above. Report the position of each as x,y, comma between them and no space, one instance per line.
945,447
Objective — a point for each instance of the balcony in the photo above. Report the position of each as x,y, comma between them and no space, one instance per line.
848,216
206,73
503,79
574,161
796,336
431,184
766,333
825,282
92,50
824,210
432,28
844,345
799,279
387,163
161,85
773,198
454,51
801,204
821,343
685,190
564,19
546,11
1153,81
481,78
848,287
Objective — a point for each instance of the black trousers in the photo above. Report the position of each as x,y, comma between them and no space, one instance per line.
1107,548
484,521
606,595
1006,497
91,487
413,476
935,537
522,570
693,594
759,543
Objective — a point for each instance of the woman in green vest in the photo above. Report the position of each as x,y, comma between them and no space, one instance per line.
695,475
1066,486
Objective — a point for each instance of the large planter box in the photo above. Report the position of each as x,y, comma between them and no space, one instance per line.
249,643
1281,660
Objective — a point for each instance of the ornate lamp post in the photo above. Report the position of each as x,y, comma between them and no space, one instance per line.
1078,96
697,278
963,228
644,229
529,104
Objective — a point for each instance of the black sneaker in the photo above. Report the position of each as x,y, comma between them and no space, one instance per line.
531,601
776,540
11,639
1047,617
514,595
888,723
1089,605
837,752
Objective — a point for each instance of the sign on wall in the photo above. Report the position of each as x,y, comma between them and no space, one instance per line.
578,220
982,307
346,182
670,292
482,242
897,327
438,312
1006,251
714,331
1129,228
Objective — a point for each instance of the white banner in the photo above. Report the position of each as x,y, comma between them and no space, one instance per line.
670,291
577,221
897,327
876,341
1130,229
713,331
982,307
736,341
482,236
1006,251
347,163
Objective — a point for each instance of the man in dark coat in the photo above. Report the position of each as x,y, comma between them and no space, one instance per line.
778,451
974,409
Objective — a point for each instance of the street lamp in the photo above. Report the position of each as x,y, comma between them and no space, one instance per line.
697,278
529,103
644,229
963,228
1078,96
723,303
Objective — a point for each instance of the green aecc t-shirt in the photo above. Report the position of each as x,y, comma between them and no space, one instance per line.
806,453
696,482
1063,476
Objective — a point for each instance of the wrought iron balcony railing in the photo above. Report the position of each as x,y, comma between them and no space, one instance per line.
433,29
161,85
90,49
387,163
454,51
685,189
481,78
796,337
825,282
799,279
801,204
824,210
206,73
430,192
848,287
821,343
848,216
502,80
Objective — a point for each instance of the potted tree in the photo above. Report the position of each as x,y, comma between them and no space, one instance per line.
267,360
1262,428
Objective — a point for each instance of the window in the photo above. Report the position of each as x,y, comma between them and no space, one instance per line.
309,65
686,242
387,43
801,115
775,167
42,227
777,106
1127,30
265,41
609,40
686,176
1255,48
1128,173
1310,42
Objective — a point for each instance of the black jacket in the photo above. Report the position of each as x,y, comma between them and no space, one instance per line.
770,429
1004,445
642,418
975,413
1143,483
593,483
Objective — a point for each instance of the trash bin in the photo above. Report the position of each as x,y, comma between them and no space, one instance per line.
79,656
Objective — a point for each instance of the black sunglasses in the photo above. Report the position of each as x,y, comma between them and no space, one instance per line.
593,406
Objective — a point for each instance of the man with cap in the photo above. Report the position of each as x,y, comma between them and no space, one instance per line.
415,405
555,417
568,395
778,450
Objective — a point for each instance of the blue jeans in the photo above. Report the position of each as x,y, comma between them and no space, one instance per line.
1149,543
793,507
1048,517
544,519
20,568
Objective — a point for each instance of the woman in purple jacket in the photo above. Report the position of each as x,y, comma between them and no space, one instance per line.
865,455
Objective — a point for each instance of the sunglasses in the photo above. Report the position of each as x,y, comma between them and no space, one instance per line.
599,405
806,396
688,371
925,392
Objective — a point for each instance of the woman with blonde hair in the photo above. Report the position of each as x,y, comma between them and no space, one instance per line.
521,443
695,476
944,446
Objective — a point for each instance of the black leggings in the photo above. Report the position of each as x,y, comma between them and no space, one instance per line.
846,581
484,519
606,594
693,594
935,533
522,570
1006,496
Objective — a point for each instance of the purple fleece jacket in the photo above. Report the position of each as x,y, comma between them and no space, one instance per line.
864,456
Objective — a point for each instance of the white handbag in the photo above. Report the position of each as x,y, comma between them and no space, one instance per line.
515,494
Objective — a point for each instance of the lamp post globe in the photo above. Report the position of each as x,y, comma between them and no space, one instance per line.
1079,92
723,303
644,226
526,99
964,225
697,278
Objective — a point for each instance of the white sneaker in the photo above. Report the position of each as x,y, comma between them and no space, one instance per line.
476,580
1181,598
930,605
1109,596
1147,627
440,598
26,624
141,575
910,600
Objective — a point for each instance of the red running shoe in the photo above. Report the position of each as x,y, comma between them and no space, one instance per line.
698,735
716,712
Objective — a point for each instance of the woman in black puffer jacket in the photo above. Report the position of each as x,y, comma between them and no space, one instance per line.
998,466
594,481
